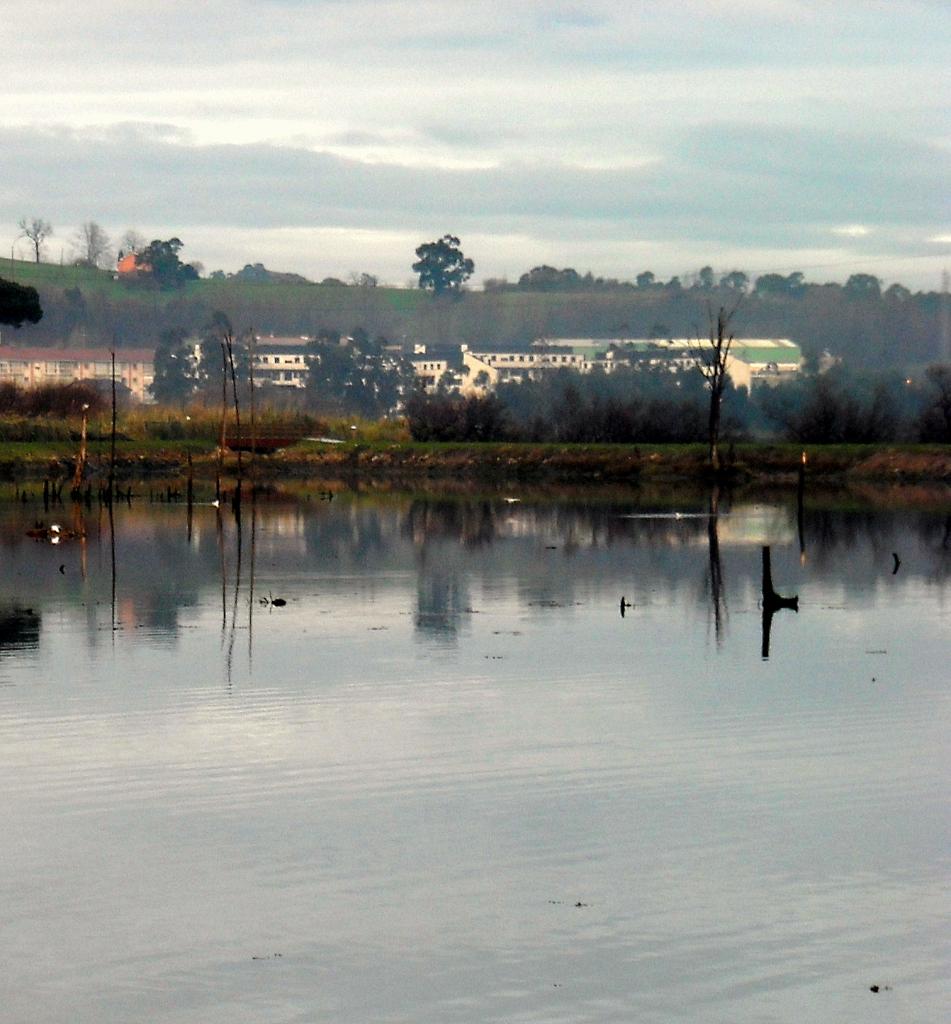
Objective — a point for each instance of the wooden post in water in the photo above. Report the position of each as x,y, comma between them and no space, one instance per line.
80,470
251,404
190,494
229,342
224,413
112,447
800,499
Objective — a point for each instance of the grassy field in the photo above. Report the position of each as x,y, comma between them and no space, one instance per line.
215,294
53,275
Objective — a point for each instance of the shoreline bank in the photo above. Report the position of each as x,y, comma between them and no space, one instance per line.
765,463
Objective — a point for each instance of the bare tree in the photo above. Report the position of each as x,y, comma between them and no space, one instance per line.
363,280
132,241
92,244
221,327
36,230
711,358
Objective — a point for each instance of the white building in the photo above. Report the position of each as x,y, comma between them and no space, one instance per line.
431,362
752,361
30,367
281,362
428,372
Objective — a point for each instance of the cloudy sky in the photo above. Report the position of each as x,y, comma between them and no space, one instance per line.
333,136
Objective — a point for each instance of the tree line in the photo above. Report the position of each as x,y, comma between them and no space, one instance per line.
863,321
651,404
705,280
92,248
891,329
353,374
359,374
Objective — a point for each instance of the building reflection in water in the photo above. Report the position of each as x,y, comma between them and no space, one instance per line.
437,530
442,599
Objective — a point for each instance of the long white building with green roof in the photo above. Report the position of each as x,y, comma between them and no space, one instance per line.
752,362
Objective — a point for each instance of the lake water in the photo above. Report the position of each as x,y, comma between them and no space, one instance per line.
448,782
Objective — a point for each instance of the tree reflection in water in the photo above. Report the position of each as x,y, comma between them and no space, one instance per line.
448,551
717,599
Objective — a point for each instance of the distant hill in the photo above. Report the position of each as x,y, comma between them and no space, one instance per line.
84,306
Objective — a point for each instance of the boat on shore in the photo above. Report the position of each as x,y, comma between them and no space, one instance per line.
263,444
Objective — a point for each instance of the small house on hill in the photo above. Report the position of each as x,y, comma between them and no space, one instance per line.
131,263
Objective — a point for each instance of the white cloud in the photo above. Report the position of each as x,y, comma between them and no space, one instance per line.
709,123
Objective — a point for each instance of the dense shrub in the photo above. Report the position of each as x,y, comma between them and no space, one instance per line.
34,428
653,405
631,405
57,400
838,407
454,418
627,406
934,420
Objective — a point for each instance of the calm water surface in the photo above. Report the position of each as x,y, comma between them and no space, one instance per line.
448,782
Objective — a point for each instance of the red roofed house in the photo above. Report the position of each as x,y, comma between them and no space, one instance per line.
131,263
127,264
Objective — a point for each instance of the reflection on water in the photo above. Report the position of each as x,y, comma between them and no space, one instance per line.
717,597
397,758
19,629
